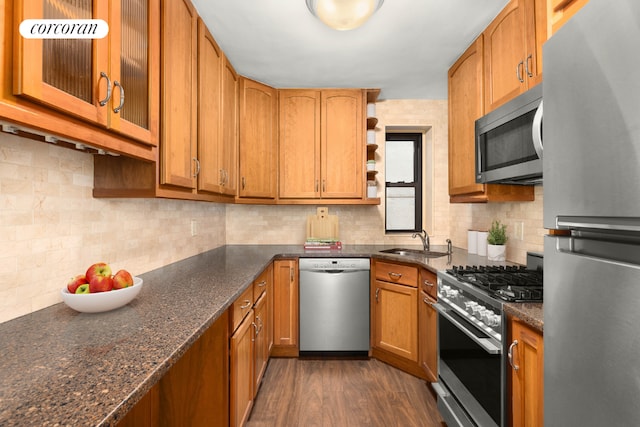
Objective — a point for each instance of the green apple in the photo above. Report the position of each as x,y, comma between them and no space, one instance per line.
83,289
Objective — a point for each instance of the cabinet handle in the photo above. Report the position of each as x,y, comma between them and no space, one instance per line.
291,275
317,186
246,304
526,66
428,283
108,97
260,326
395,275
119,107
510,354
197,169
426,301
262,284
518,73
377,292
255,331
244,182
324,186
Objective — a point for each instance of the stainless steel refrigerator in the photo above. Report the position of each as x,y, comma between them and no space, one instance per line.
591,131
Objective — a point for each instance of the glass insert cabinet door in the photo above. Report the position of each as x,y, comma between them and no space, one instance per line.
109,81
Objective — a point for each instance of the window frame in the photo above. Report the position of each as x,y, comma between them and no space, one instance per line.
416,138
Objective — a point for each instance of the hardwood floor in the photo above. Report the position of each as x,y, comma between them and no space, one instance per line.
335,393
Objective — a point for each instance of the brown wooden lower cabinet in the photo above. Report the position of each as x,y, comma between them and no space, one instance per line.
242,360
146,413
428,351
285,308
526,374
196,388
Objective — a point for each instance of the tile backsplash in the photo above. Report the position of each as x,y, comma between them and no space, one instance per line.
51,227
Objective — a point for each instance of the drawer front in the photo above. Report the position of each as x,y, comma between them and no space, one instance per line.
397,273
429,282
241,307
261,283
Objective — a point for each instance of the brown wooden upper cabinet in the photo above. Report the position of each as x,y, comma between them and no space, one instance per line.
258,140
513,51
321,144
199,115
466,105
178,162
210,59
228,149
562,10
111,82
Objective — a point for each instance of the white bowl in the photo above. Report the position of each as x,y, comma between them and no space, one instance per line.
102,301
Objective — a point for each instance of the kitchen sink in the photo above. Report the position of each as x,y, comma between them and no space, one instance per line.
414,252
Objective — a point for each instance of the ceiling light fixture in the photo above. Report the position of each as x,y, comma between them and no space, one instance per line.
343,14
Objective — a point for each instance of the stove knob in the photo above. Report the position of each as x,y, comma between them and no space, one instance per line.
487,317
497,320
468,305
451,293
478,310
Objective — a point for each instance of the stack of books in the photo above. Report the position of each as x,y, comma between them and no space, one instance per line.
323,244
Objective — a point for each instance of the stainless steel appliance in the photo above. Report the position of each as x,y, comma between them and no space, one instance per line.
509,141
334,306
471,385
592,171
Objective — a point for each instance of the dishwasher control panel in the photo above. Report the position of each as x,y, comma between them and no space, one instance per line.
311,264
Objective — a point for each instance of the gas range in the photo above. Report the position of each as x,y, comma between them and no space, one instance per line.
477,293
472,347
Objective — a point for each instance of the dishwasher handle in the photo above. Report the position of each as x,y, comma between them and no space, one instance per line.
334,271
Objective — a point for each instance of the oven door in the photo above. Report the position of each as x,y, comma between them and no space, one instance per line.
471,370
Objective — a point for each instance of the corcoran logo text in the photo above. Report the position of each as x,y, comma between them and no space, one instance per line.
64,28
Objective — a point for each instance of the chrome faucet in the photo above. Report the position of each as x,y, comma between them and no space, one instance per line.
425,239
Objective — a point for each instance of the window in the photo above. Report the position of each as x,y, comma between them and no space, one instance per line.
403,186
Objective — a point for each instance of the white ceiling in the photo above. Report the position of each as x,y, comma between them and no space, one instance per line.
405,49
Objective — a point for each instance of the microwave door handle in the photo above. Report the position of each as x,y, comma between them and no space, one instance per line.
536,131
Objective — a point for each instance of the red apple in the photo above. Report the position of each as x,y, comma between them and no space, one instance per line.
83,289
76,281
100,284
122,279
98,269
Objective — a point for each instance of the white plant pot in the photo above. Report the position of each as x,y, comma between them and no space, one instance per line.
496,252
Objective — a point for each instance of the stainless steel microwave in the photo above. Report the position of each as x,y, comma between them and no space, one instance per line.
509,142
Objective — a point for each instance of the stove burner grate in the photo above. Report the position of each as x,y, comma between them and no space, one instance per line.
509,283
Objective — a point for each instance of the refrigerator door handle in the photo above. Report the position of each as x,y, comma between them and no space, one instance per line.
598,223
618,253
536,131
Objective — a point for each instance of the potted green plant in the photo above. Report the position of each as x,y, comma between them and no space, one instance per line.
496,241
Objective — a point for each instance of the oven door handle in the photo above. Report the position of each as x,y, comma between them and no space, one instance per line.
485,343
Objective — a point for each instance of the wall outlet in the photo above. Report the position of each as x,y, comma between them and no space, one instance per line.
194,227
518,230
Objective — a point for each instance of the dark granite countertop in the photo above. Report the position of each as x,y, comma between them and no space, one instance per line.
529,313
61,367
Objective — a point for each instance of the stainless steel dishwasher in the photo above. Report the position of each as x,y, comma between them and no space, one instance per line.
334,306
